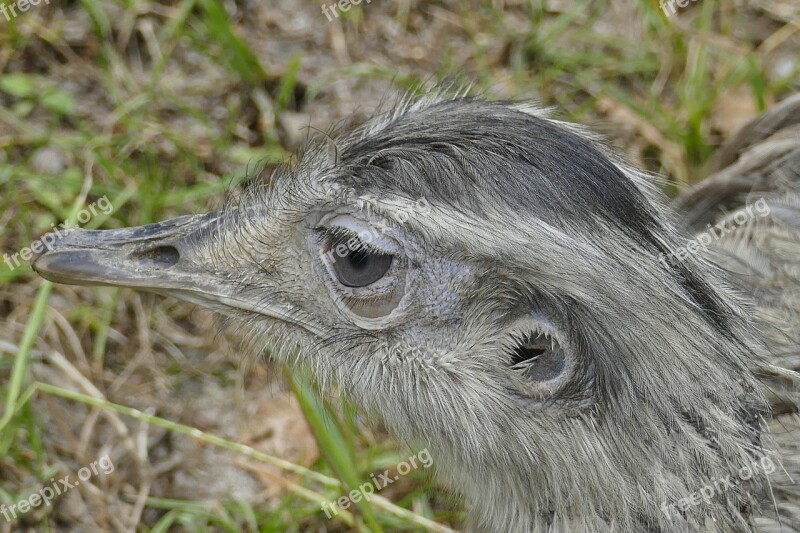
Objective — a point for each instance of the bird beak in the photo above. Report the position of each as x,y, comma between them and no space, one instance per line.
170,257
160,257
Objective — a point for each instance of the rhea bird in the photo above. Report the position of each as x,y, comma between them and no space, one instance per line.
530,318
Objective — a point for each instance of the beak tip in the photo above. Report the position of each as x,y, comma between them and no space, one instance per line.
37,255
58,267
39,259
67,259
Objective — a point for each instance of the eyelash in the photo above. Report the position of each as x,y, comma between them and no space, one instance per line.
334,233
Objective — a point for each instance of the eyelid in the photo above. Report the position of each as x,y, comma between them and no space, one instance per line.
379,242
337,232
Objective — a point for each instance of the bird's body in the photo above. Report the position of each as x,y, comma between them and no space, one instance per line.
530,317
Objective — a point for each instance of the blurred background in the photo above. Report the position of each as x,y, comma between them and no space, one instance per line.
164,108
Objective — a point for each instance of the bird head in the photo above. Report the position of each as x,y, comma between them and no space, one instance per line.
496,284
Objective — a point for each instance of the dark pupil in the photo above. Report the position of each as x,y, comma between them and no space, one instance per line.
356,265
358,259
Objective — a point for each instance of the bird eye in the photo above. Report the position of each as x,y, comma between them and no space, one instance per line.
354,263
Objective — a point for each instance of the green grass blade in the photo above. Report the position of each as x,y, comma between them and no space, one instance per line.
333,446
20,368
238,54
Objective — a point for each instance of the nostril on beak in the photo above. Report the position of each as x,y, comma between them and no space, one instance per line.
160,257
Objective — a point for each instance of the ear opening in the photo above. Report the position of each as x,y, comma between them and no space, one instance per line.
536,354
